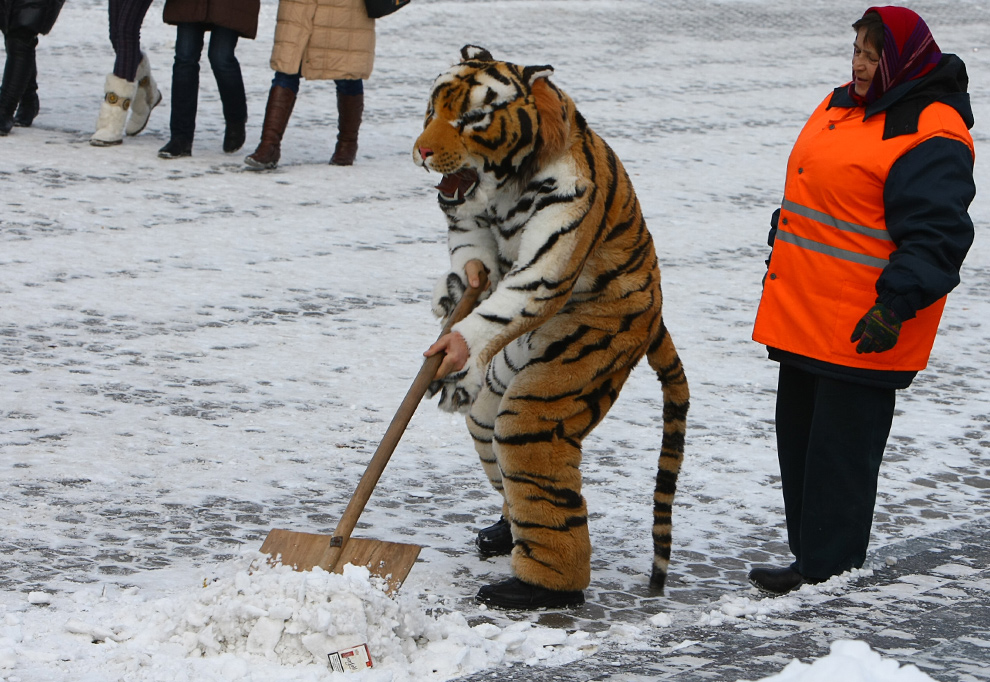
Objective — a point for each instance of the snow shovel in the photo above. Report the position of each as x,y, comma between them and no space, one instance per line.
389,560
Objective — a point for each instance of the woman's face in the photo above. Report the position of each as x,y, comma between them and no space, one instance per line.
865,61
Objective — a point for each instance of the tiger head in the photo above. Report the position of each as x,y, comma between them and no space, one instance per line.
490,119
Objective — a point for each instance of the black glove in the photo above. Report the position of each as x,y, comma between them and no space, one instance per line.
877,331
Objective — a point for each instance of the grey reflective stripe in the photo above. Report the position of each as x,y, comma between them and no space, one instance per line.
826,219
833,251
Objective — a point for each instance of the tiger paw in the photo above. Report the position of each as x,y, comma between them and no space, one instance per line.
446,293
458,389
453,398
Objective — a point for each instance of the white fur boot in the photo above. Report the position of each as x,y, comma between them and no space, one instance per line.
119,94
148,97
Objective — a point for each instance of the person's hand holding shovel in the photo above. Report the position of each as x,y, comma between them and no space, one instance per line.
453,344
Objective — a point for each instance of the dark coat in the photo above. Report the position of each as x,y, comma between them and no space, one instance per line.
238,15
37,16
926,200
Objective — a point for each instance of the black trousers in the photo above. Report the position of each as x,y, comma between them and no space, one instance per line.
20,73
189,40
831,435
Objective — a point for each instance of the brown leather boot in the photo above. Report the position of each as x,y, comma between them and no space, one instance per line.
277,113
350,108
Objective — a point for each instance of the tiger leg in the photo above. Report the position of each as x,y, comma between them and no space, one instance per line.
548,409
481,424
481,417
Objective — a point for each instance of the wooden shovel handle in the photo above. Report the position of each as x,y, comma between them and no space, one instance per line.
399,422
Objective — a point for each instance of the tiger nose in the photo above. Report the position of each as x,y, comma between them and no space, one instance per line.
425,152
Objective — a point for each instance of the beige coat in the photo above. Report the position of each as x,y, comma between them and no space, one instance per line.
324,39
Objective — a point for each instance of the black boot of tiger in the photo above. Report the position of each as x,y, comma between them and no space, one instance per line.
496,539
514,594
350,109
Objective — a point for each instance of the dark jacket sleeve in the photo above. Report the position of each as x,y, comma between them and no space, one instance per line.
926,201
37,16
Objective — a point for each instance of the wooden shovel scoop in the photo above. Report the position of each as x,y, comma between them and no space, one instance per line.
390,560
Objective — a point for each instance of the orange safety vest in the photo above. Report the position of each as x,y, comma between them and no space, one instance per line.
832,241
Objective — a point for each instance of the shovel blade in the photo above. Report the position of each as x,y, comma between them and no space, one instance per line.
391,561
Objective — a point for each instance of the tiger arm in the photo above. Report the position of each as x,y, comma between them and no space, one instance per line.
466,244
555,244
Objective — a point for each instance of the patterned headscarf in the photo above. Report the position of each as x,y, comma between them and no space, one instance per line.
909,50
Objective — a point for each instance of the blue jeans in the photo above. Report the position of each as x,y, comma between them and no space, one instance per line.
344,87
189,39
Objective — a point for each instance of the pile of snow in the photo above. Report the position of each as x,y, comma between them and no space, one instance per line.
732,607
852,661
259,622
255,622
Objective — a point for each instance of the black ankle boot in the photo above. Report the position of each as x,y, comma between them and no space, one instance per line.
516,594
496,539
778,581
7,107
175,149
6,121
27,110
233,136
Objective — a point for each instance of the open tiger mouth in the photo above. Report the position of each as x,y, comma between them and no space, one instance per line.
456,187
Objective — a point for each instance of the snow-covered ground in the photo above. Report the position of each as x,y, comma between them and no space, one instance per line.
192,354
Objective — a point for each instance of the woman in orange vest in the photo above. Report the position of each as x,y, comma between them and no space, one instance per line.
867,242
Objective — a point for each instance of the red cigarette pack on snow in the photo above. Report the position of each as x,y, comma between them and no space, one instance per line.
350,660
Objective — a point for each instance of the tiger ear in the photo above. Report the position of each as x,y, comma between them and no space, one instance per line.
531,74
554,124
473,53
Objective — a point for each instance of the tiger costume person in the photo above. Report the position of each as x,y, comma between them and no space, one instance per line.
534,197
